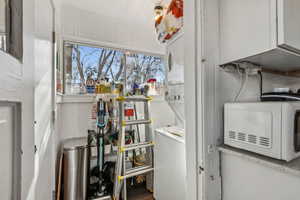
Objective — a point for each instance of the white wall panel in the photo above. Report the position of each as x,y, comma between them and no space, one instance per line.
43,69
46,179
74,118
247,180
125,23
44,163
17,85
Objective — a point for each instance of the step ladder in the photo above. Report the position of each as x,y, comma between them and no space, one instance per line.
121,173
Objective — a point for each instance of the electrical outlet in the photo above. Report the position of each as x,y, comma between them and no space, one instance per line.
253,71
211,148
250,68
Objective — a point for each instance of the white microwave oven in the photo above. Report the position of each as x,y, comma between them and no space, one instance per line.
267,128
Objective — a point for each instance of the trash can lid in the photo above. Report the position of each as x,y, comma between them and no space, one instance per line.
75,143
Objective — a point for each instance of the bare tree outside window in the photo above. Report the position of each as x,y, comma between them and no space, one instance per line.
83,61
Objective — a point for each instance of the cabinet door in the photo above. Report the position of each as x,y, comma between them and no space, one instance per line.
288,24
247,28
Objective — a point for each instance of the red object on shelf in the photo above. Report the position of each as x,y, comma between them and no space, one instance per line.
129,112
152,80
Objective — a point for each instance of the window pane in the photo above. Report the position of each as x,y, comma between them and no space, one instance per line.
146,69
3,41
87,65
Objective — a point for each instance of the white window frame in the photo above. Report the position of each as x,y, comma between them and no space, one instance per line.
97,44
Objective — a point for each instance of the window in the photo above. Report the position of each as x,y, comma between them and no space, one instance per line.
2,25
2,42
87,64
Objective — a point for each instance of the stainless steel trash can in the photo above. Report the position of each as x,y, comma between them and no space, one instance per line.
75,169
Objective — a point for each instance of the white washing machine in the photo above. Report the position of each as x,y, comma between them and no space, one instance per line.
169,164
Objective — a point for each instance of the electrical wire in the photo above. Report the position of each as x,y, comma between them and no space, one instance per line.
261,83
243,83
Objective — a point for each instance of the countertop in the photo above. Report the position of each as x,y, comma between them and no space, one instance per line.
292,167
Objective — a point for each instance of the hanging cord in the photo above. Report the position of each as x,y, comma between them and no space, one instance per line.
261,83
243,83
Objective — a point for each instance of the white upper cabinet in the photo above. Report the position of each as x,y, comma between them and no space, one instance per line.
289,24
265,32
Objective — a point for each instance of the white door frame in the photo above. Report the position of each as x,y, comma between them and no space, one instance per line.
202,121
193,99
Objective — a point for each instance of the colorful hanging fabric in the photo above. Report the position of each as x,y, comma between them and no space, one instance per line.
168,21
